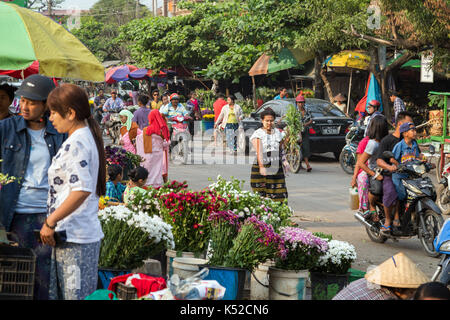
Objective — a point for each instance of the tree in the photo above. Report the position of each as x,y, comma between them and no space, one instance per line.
44,5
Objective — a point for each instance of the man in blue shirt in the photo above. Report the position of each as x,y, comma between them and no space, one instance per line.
113,104
282,94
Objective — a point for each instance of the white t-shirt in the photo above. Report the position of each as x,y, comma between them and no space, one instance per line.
270,142
75,168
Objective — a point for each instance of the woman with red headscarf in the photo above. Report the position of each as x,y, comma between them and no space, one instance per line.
152,145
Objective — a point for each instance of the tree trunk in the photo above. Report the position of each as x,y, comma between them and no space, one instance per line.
318,83
327,84
255,103
215,86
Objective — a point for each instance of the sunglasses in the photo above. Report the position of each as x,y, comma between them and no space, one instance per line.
155,95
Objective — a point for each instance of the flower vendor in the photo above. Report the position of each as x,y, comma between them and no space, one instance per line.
137,176
114,189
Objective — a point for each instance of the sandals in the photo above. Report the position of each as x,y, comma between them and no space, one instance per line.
396,223
384,229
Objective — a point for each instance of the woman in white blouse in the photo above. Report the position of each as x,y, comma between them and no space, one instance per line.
267,175
77,178
229,119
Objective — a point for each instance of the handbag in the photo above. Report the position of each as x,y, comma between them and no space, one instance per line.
375,186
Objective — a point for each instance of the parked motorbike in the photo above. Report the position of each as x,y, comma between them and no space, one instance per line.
442,245
180,138
112,124
347,158
443,192
419,215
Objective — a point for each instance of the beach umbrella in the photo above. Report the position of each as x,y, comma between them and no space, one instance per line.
22,74
267,64
139,74
29,36
120,73
373,92
346,61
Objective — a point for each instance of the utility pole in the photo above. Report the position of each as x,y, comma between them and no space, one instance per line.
165,8
155,8
137,9
49,8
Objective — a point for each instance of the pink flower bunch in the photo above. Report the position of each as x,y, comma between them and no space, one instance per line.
299,236
269,237
224,216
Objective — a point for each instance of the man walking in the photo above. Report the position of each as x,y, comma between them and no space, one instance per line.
399,105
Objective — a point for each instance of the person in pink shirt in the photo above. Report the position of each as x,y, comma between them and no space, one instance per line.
128,132
361,179
217,106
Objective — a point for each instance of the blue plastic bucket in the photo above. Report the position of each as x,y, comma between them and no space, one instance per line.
207,125
233,279
105,276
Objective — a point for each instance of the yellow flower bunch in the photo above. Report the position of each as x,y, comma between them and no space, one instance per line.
208,117
103,202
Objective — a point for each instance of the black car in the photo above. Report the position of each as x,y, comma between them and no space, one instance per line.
327,131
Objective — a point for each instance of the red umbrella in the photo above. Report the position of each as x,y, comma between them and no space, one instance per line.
32,69
120,73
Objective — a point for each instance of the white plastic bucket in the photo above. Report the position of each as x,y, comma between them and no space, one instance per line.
259,283
287,284
187,267
172,254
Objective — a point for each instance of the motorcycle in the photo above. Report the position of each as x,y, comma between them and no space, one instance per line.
347,158
442,245
179,139
112,124
443,193
419,215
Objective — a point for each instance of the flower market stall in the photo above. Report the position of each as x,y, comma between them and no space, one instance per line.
213,238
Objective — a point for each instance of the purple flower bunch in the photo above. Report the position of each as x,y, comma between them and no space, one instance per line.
224,216
297,236
116,155
255,243
302,249
207,111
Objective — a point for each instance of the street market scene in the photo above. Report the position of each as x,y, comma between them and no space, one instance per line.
237,150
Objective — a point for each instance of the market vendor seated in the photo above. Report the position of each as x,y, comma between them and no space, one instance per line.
138,176
114,189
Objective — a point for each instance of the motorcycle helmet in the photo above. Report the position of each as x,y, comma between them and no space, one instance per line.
375,103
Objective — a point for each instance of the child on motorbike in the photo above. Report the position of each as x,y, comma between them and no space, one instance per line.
405,151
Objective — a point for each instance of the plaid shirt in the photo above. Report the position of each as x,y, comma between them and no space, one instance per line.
362,290
399,106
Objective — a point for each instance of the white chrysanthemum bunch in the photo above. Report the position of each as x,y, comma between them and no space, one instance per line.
338,257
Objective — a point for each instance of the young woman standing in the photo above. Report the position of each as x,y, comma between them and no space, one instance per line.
267,175
229,119
77,178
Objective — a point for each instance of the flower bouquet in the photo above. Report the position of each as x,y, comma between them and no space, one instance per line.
246,203
187,212
207,115
337,259
131,237
255,243
116,155
224,227
172,186
145,201
303,249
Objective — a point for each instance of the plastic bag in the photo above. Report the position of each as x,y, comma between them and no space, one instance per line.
193,288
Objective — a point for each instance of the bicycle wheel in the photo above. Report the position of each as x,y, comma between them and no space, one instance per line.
294,157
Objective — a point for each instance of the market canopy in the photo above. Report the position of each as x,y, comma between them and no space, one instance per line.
29,36
267,64
349,59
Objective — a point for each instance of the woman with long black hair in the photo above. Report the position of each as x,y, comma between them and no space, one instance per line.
77,178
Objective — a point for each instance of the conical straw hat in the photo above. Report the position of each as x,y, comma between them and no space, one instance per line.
397,272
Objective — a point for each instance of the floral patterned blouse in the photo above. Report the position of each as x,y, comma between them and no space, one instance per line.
75,168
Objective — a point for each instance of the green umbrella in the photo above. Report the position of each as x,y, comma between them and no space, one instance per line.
267,64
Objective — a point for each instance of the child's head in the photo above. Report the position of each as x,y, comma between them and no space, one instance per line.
142,100
408,130
115,172
138,176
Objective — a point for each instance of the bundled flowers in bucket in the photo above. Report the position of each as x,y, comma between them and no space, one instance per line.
116,155
207,115
255,243
246,203
131,237
187,212
337,259
224,227
303,249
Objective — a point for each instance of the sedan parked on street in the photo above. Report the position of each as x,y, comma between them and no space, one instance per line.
327,131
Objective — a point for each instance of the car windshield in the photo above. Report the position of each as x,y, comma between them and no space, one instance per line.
324,110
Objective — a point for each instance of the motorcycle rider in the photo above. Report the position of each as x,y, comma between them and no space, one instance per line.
113,104
372,111
389,194
175,108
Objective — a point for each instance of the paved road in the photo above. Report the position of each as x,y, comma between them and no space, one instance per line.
320,200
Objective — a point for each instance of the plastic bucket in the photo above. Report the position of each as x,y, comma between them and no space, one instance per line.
172,254
324,286
105,275
259,285
354,198
207,125
187,267
233,279
287,284
355,275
